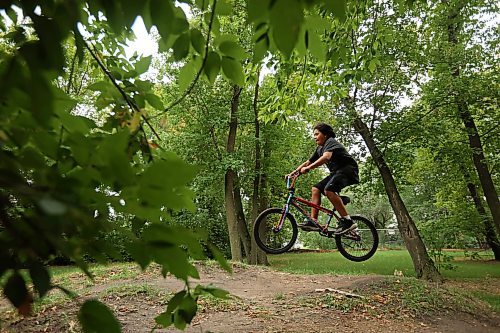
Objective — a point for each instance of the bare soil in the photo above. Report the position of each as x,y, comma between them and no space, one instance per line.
263,300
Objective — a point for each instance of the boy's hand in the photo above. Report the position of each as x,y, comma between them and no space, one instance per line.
304,170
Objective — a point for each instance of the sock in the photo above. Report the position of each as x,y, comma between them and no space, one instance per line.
348,217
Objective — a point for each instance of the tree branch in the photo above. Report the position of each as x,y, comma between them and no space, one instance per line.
129,101
197,77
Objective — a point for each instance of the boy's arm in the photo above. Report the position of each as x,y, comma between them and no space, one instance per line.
319,162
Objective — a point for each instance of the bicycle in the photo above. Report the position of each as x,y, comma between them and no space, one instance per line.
276,230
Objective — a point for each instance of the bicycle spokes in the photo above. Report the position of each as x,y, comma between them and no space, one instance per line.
275,231
353,235
358,244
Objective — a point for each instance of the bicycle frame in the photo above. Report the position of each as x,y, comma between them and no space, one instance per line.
294,201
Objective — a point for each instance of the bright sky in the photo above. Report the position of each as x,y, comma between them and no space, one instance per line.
144,44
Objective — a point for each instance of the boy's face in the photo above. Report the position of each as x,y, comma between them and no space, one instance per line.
319,137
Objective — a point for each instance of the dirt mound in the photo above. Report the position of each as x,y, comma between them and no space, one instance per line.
263,301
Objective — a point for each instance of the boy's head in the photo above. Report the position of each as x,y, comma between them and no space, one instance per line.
325,129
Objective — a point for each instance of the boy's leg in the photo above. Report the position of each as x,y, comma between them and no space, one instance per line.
315,198
316,192
332,189
336,200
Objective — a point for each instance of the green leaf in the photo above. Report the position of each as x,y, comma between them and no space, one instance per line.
187,310
96,317
143,65
260,49
216,292
40,277
180,23
100,86
219,257
233,50
140,101
162,15
15,290
140,252
223,8
316,46
78,124
337,7
317,23
198,41
372,66
170,191
186,75
12,14
154,101
47,144
181,46
258,10
233,70
202,4
164,319
31,158
286,19
175,301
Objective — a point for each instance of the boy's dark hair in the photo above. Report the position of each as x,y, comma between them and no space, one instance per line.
325,129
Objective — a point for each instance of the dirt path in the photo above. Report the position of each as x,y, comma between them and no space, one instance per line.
264,301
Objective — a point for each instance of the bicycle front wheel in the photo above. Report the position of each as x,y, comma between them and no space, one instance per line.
268,234
359,244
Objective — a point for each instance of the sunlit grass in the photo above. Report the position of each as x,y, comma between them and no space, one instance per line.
382,263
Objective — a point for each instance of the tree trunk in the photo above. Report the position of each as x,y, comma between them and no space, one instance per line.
474,140
257,256
240,217
230,178
232,225
480,163
423,264
489,231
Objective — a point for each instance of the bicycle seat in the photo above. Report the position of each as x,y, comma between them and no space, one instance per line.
345,199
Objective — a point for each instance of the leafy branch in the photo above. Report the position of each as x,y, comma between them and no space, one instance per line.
129,101
198,74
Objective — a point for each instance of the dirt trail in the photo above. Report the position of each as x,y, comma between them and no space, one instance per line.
265,301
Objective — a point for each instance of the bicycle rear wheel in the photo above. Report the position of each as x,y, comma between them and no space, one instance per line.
267,235
359,244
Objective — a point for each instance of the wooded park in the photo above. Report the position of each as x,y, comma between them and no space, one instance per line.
141,140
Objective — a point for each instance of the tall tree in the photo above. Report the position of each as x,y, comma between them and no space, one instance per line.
455,11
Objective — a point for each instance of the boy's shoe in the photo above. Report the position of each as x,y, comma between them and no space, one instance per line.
345,225
308,225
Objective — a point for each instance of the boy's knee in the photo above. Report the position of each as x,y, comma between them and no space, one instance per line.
330,193
315,191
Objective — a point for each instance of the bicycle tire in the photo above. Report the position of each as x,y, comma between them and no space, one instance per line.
364,248
285,237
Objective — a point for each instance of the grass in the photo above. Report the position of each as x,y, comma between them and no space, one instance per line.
382,263
491,299
414,296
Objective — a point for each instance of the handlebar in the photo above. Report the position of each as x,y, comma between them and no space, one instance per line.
290,181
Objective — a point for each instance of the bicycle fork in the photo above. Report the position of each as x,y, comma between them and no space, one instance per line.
284,211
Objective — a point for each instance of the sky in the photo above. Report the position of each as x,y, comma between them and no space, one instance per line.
144,44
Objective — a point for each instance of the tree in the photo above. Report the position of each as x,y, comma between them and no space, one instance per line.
454,23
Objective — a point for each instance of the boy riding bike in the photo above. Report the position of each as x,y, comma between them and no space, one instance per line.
343,172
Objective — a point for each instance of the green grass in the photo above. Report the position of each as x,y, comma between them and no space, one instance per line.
383,263
491,299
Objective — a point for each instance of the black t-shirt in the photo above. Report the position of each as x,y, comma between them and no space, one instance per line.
340,157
